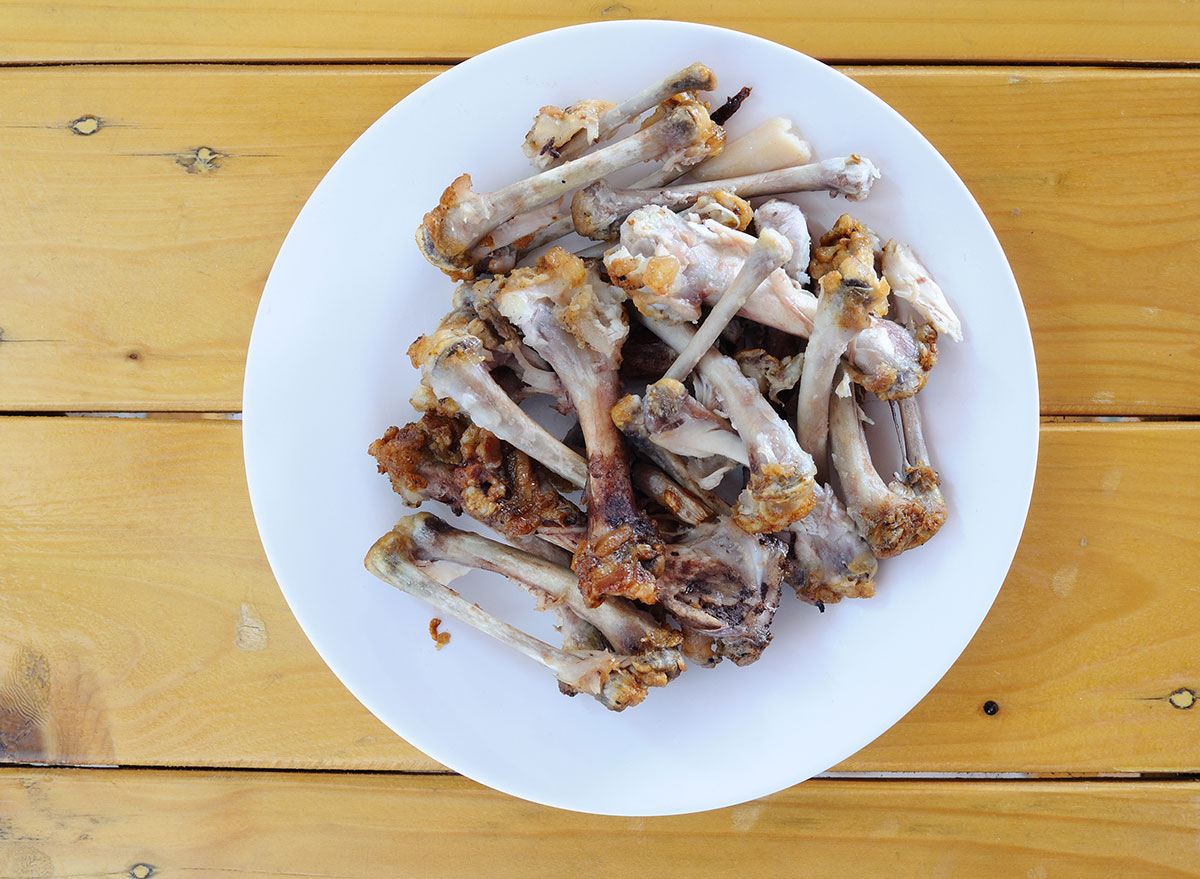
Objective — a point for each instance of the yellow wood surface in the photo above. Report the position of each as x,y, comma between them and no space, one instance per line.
940,30
106,823
134,257
139,623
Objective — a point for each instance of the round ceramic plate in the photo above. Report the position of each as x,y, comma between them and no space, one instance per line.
327,373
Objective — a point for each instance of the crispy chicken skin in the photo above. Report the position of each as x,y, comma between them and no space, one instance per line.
447,459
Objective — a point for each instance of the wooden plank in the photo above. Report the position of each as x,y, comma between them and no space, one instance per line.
134,258
941,30
97,822
139,623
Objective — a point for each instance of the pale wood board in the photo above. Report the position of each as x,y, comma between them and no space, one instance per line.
64,823
139,623
941,30
133,270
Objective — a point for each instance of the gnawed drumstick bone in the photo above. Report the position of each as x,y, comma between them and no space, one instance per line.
851,295
830,559
670,265
577,323
464,217
616,681
781,472
447,459
475,316
558,135
627,628
598,209
455,364
892,517
770,251
911,282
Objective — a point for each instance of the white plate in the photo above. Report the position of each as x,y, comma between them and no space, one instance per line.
327,373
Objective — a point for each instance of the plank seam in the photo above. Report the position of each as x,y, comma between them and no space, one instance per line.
451,61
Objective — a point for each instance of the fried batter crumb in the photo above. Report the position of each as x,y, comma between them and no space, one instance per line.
440,639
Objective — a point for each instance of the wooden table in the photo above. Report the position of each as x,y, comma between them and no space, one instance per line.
160,710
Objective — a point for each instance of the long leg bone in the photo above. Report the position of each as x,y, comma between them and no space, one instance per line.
627,628
616,681
770,251
463,217
892,517
781,472
558,135
454,365
577,323
850,295
599,209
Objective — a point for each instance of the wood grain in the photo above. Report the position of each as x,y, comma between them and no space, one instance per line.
941,30
139,623
134,256
95,822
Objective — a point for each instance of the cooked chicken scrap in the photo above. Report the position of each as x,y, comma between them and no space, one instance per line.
896,516
599,209
463,217
576,322
615,680
851,296
829,558
455,364
698,475
724,584
774,375
563,134
911,282
447,459
781,472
